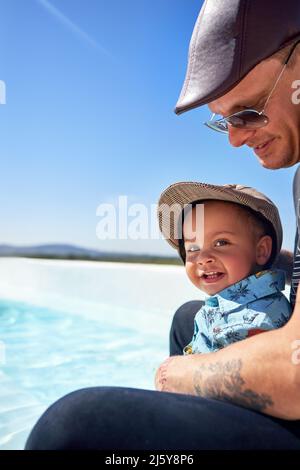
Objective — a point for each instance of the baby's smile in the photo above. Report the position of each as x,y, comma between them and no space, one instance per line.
212,277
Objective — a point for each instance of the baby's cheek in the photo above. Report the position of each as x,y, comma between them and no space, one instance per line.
190,270
238,267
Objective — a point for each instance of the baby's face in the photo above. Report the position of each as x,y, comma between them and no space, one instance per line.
226,246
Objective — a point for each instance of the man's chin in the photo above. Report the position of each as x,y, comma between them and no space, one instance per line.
269,165
270,162
278,156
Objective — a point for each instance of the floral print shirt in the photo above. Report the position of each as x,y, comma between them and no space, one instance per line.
251,306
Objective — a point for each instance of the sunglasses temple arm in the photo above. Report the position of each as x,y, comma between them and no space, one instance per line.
275,85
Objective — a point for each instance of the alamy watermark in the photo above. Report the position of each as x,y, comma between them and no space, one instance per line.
296,354
139,222
2,92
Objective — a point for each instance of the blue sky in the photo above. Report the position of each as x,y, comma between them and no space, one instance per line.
90,90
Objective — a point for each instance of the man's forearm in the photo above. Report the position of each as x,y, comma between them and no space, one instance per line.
258,373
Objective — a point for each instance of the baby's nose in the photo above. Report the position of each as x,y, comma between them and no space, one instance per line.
204,258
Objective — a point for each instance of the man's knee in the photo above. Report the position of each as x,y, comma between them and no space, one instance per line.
69,422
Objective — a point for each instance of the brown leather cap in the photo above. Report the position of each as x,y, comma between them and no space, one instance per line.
229,39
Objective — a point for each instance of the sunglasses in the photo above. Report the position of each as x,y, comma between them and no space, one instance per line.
249,118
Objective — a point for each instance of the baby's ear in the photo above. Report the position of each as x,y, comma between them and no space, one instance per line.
263,250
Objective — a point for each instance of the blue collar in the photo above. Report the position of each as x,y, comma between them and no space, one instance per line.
247,290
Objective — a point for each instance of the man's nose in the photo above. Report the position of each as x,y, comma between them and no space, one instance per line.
238,137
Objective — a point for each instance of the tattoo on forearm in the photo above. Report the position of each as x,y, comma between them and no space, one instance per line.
224,381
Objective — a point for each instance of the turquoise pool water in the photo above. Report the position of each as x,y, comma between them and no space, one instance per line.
49,353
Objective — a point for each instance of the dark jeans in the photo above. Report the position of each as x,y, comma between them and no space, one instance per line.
114,418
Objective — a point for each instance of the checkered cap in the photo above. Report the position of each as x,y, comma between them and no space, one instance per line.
177,196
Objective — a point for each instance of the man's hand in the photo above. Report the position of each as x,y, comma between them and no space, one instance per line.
258,373
162,373
172,375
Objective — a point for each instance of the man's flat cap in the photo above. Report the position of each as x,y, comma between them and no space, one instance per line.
229,39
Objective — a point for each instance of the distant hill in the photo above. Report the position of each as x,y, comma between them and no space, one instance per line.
54,249
63,251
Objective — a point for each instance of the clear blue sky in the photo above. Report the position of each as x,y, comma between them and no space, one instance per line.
91,87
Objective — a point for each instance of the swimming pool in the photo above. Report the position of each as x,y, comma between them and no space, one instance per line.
69,325
50,353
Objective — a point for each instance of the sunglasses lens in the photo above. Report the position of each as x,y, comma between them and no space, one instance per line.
219,126
248,120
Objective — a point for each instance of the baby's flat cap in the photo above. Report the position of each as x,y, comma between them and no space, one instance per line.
178,196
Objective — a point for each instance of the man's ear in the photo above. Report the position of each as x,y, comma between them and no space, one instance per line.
263,250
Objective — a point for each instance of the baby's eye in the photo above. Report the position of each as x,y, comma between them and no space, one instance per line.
221,243
192,249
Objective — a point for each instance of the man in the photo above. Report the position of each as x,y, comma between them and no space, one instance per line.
245,396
